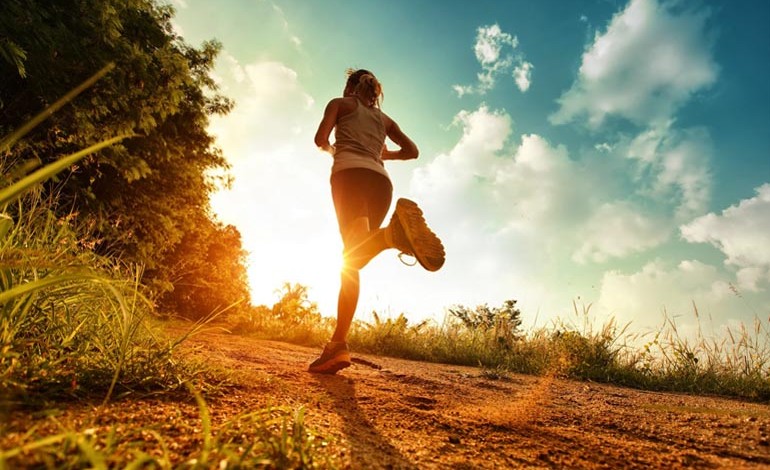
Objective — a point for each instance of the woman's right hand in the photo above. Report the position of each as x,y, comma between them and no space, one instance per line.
408,149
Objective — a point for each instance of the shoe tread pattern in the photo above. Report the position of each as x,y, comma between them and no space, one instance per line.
415,237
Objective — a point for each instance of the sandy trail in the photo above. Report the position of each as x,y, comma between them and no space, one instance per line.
393,414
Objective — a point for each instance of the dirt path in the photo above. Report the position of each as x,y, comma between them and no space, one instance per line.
390,413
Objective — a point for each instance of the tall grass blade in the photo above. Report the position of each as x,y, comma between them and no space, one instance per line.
7,142
39,444
39,284
94,456
15,190
205,424
6,224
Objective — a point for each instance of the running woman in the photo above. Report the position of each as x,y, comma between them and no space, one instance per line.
362,193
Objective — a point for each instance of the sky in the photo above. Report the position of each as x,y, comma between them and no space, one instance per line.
593,154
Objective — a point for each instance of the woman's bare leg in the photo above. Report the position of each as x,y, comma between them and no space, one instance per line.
346,303
363,245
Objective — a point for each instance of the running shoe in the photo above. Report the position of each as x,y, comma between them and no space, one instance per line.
334,358
412,236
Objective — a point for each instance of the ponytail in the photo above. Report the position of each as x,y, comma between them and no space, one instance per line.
366,86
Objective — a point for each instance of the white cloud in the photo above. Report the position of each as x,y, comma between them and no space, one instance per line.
540,197
490,50
643,297
544,210
540,187
270,104
617,229
451,176
497,187
669,182
229,65
750,278
649,61
666,179
462,89
490,41
742,233
674,167
517,218
286,28
505,210
522,75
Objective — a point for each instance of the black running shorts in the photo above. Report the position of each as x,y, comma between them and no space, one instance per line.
359,192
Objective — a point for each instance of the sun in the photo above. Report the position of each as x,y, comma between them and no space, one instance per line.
315,264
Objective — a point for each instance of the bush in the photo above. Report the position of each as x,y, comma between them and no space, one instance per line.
293,318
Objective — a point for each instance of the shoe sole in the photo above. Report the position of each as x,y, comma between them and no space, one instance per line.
333,365
427,247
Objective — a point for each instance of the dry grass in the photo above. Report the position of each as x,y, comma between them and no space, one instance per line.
736,364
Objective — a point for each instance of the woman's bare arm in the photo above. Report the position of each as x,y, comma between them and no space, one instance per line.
328,122
408,149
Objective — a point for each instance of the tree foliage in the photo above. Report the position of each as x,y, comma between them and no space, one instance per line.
209,271
294,306
149,195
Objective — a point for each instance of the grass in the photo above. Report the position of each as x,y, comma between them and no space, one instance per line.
71,322
293,319
274,437
75,326
736,364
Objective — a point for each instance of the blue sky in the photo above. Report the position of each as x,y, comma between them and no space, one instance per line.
611,153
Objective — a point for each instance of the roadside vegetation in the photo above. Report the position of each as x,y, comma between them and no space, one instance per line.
76,325
105,230
737,364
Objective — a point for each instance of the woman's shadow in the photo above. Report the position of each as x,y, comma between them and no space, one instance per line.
368,448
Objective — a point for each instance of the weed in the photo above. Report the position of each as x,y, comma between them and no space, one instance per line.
737,364
274,437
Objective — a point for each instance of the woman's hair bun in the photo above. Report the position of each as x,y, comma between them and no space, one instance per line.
365,85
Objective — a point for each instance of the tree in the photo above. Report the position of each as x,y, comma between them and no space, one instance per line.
294,307
207,271
144,197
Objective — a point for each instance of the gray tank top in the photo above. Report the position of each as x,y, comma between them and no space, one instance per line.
359,137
